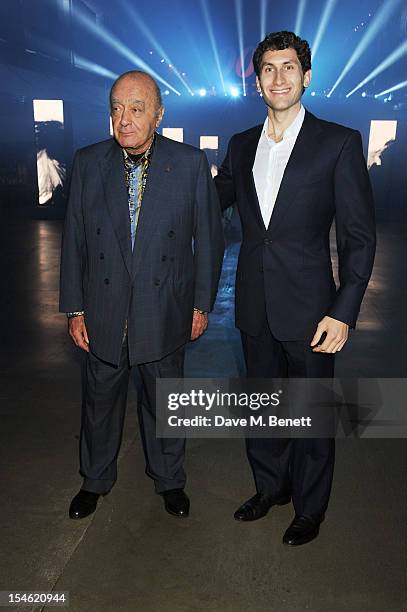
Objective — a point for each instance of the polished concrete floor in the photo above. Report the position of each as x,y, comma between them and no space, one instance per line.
131,555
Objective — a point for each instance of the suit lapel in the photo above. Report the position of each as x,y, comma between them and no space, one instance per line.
296,170
154,195
249,154
116,196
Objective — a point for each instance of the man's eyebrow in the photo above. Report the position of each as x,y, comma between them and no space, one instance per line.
290,61
132,101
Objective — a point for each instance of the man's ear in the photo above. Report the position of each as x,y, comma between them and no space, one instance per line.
160,114
258,84
307,78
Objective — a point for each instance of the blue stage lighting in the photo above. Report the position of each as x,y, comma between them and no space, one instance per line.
234,92
300,15
393,88
329,7
263,18
119,46
202,92
81,62
382,16
390,59
239,20
135,16
364,94
313,93
213,42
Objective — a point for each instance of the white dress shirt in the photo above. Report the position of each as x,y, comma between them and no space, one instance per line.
270,163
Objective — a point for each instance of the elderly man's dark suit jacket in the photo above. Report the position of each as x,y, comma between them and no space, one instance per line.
177,255
285,270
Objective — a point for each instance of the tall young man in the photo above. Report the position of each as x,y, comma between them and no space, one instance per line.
290,178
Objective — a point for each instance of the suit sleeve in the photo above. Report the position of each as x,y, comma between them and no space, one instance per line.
73,245
224,180
208,239
355,229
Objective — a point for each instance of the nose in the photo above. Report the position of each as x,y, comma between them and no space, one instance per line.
279,77
125,118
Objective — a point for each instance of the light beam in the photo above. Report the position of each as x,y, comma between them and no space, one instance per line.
379,20
390,89
121,48
239,20
300,15
388,61
213,42
150,37
329,7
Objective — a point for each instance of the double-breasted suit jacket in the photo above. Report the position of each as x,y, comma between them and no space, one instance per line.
177,256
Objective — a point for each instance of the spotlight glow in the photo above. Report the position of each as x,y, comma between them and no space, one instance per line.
300,15
329,7
263,18
202,92
213,42
239,20
379,20
388,61
84,64
135,16
234,92
116,44
390,89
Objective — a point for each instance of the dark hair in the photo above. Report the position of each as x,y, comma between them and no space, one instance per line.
135,73
277,41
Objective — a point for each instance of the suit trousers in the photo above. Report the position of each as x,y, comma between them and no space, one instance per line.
103,410
301,467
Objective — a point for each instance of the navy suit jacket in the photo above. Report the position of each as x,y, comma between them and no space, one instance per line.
284,272
177,257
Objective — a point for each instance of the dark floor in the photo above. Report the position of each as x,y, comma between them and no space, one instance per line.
130,555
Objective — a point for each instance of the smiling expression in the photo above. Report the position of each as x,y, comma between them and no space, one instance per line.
281,79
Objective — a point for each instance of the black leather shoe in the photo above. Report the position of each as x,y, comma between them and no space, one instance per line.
83,504
176,502
303,529
257,506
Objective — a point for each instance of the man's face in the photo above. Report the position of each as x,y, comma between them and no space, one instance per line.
134,111
281,79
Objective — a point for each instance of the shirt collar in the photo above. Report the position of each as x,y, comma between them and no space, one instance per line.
128,161
293,129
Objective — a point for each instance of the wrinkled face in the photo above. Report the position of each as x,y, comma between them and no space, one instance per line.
134,112
281,79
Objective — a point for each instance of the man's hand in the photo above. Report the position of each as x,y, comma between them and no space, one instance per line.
199,324
78,333
336,336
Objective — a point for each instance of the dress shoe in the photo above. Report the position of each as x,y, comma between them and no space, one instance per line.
176,502
83,504
257,506
303,529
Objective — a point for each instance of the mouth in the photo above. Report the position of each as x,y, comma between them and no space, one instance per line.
279,92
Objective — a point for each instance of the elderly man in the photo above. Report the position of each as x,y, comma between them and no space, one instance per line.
291,177
141,257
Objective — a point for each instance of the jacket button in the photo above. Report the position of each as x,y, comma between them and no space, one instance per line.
102,256
157,282
106,281
98,230
267,241
171,234
164,258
